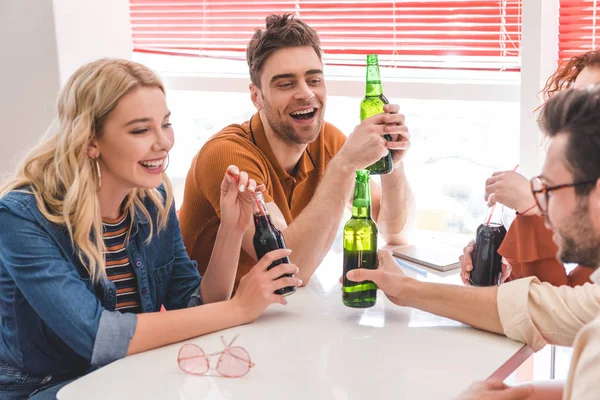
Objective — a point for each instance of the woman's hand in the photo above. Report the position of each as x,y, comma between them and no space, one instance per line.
256,290
511,189
236,199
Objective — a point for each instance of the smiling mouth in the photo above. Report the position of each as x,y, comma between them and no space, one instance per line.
304,114
152,165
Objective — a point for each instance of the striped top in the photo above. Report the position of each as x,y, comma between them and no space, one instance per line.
118,267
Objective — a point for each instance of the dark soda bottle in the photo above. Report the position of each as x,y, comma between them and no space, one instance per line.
487,263
268,238
360,246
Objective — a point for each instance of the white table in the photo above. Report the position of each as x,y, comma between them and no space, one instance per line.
316,348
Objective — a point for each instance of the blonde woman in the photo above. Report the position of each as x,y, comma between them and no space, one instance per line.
90,246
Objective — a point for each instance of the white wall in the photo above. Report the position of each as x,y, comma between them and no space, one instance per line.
90,29
539,52
29,76
42,43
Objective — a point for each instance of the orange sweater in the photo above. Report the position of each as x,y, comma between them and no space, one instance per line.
528,247
247,147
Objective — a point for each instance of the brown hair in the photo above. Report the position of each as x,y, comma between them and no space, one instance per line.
567,72
281,31
577,114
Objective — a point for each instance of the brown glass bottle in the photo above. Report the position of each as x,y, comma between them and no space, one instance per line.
487,263
268,238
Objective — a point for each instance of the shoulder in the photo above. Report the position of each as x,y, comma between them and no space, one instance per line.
19,212
233,145
333,139
20,202
231,140
234,134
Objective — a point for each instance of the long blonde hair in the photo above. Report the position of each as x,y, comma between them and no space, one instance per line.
61,176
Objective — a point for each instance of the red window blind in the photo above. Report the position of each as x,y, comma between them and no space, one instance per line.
476,34
579,27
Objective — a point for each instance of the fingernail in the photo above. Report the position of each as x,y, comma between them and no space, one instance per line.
242,188
469,267
350,275
299,282
297,269
228,178
289,250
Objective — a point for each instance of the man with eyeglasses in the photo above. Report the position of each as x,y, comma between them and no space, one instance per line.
568,194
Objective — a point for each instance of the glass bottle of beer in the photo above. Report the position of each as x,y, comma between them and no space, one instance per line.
373,104
268,238
360,246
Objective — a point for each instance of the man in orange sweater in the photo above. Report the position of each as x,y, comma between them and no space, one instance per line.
306,164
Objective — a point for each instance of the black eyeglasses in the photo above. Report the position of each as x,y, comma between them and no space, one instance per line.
541,191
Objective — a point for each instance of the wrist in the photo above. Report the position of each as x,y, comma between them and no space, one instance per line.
342,164
230,234
527,210
406,289
398,172
238,311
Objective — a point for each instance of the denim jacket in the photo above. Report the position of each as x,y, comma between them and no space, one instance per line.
53,320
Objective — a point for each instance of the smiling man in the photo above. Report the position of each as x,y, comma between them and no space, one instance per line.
306,164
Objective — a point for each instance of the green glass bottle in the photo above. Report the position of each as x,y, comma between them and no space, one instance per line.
360,246
373,104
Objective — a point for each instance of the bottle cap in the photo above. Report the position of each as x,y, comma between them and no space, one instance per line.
372,59
362,175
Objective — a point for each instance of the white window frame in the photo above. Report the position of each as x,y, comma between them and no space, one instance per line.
539,55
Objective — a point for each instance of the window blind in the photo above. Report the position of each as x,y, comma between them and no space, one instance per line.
469,34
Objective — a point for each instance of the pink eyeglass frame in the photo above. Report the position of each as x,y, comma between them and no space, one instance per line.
227,351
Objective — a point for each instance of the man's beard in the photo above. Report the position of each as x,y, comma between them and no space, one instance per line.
285,132
579,241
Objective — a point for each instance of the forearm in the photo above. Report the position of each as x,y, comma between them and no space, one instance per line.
311,234
474,306
162,328
217,283
397,212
